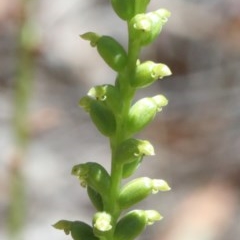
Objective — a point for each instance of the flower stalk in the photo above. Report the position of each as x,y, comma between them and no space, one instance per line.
117,117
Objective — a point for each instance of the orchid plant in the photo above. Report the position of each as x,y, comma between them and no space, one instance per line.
119,117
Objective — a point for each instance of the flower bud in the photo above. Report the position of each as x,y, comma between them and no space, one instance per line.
146,27
82,231
100,113
143,112
95,198
109,49
108,95
138,189
93,175
133,149
134,192
101,223
126,9
148,72
103,118
130,168
112,53
131,225
79,230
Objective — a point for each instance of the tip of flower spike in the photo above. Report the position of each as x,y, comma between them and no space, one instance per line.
92,37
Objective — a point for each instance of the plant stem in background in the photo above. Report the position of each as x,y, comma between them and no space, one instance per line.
23,87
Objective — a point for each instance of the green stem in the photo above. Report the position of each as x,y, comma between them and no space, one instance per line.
127,94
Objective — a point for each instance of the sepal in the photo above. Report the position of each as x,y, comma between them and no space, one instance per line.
92,37
64,225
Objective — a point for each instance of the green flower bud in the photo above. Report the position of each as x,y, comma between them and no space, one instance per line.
101,223
130,168
95,198
100,111
79,230
143,112
138,189
112,53
148,72
93,175
134,191
133,149
103,118
109,49
82,231
126,9
146,27
131,225
108,95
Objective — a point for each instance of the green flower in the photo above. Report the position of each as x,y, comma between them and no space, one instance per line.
102,222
